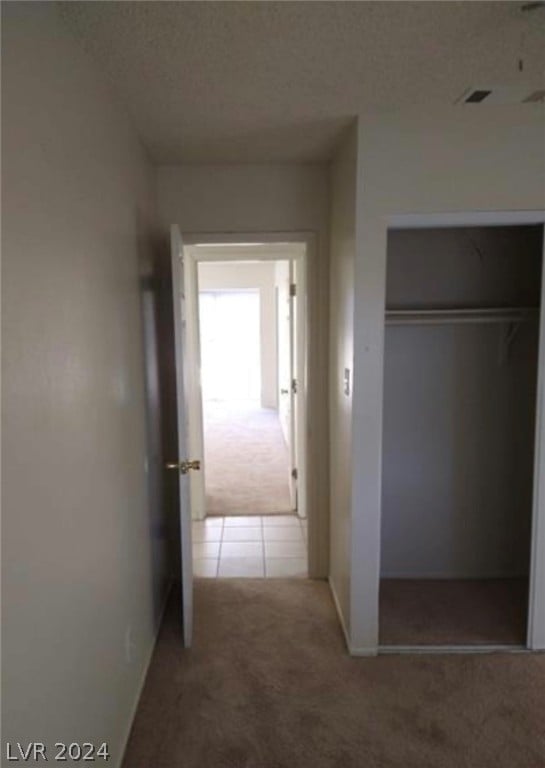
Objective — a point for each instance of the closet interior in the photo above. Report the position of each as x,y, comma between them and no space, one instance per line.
460,380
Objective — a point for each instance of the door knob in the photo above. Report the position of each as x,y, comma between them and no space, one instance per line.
185,466
284,391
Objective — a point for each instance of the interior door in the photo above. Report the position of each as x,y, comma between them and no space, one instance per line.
287,383
181,464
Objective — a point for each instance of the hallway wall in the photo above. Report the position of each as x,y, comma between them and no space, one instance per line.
84,563
271,198
343,252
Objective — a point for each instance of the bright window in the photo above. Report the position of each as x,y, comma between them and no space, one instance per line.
230,345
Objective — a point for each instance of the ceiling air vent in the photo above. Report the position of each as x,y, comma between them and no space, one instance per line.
475,97
503,94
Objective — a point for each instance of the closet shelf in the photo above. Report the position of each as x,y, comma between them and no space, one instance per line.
468,315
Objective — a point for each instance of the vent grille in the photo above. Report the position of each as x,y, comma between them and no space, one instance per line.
475,97
503,95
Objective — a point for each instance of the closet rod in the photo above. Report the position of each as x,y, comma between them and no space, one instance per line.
475,315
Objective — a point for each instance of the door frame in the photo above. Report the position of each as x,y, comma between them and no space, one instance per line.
313,496
198,253
535,639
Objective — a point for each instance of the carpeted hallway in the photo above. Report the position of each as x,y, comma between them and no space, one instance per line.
246,460
268,684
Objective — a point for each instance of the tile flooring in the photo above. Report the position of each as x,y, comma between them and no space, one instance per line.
270,546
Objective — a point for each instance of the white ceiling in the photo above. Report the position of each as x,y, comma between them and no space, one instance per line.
278,81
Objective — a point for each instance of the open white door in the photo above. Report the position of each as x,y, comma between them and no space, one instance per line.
182,464
287,383
298,336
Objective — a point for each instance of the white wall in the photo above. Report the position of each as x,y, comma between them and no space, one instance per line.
274,199
465,158
343,249
83,549
216,276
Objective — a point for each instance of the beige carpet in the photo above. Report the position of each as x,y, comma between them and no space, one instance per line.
246,461
268,684
453,612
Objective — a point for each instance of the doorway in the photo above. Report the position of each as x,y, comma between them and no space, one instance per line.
248,374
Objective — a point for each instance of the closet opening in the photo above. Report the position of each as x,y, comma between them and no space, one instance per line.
460,384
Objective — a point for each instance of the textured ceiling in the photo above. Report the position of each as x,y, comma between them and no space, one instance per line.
278,81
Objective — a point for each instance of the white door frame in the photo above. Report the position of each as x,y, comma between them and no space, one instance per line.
313,503
179,306
197,253
536,600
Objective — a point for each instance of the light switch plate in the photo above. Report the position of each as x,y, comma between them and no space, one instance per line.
346,387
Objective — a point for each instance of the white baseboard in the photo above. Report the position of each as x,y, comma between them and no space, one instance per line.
351,649
339,612
125,740
360,652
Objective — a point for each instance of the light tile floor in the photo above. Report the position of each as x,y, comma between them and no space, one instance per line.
271,546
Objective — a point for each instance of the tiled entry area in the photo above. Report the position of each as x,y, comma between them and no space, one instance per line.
271,546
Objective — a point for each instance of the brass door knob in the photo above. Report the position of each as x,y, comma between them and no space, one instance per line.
185,466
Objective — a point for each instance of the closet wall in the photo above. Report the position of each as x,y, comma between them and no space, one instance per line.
459,405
